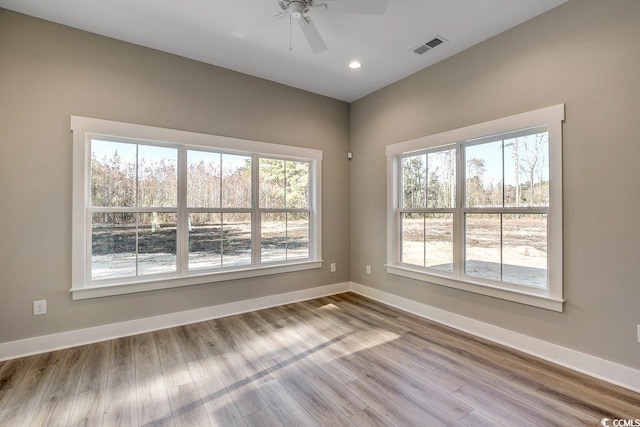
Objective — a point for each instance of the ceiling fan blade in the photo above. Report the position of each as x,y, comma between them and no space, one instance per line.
360,7
255,26
312,35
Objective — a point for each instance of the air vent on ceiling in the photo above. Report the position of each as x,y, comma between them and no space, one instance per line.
437,41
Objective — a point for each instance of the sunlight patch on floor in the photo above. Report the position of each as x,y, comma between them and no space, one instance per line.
364,340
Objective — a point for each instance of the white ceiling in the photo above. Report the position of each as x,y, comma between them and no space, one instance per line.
200,30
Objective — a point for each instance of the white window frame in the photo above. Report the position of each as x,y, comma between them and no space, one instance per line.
85,128
550,298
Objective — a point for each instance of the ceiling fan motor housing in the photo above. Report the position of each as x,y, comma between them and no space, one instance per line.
296,8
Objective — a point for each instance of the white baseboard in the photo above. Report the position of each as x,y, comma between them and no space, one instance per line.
606,370
42,344
614,373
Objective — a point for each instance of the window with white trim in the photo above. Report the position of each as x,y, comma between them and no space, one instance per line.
480,208
157,208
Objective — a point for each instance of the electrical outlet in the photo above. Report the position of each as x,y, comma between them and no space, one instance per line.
333,267
638,334
368,269
40,307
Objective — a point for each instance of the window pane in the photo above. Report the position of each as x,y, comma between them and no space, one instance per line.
236,181
205,240
524,250
297,236
157,176
427,240
484,175
414,177
157,243
441,187
482,248
203,179
113,174
236,239
297,184
439,241
526,170
413,238
113,245
272,183
274,237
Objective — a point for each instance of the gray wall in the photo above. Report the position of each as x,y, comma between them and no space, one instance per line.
585,54
49,72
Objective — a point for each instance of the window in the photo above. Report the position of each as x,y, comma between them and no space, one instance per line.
156,208
480,208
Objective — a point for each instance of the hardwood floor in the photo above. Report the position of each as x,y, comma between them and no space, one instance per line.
340,360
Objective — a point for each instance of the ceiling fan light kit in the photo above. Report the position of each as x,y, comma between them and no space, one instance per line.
300,11
296,8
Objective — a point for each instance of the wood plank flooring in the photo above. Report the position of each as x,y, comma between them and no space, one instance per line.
336,361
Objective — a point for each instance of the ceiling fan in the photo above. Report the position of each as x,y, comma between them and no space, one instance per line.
300,11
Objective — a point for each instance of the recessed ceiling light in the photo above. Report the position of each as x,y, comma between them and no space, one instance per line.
354,65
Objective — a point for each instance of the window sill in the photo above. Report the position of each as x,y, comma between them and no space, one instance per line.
541,301
152,284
